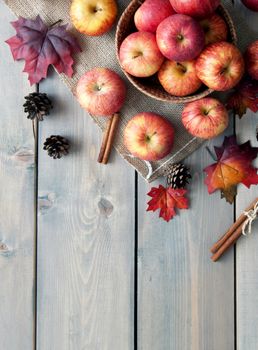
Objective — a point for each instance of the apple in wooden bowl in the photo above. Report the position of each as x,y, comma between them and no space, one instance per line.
151,85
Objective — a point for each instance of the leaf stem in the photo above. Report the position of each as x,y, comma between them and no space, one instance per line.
33,128
57,22
210,153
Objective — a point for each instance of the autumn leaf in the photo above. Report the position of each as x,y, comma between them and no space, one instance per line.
244,97
41,46
233,166
167,199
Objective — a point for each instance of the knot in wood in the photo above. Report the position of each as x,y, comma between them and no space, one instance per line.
105,207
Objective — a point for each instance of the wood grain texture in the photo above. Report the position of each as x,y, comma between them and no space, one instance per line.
85,237
16,202
186,301
247,262
247,247
247,258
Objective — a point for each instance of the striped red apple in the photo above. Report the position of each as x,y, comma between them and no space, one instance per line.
251,4
215,29
151,13
149,136
205,118
251,60
179,78
101,91
195,8
220,66
180,38
139,54
93,17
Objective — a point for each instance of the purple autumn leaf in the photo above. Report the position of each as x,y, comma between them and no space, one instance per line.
40,46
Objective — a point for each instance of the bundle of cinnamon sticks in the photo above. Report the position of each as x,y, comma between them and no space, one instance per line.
231,236
108,138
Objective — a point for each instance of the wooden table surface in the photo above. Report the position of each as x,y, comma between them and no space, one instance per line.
84,267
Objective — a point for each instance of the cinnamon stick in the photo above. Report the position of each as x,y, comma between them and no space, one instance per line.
216,246
104,140
108,139
229,242
112,133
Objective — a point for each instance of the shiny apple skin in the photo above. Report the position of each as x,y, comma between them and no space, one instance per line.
251,4
179,79
139,54
205,118
251,60
215,29
195,8
180,38
149,136
151,13
220,66
101,92
93,17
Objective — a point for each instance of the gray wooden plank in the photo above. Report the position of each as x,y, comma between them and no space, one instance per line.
16,202
246,257
185,300
85,237
246,249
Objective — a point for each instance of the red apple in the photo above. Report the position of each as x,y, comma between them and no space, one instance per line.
93,17
149,136
251,4
251,60
139,54
195,8
151,13
220,66
215,29
180,38
205,118
101,91
179,79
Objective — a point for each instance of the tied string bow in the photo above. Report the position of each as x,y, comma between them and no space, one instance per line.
251,216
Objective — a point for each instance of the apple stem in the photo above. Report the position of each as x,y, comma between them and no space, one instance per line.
223,70
181,66
180,37
211,154
97,9
138,54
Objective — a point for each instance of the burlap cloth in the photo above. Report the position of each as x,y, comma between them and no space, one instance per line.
100,51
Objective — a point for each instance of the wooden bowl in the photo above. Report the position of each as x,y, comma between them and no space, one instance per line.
151,86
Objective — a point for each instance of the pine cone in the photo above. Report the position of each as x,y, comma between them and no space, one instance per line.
177,175
37,105
56,146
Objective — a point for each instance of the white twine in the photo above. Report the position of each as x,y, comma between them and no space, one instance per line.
150,169
251,216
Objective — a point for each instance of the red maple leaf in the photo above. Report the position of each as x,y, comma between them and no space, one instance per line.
40,46
167,199
233,166
245,96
